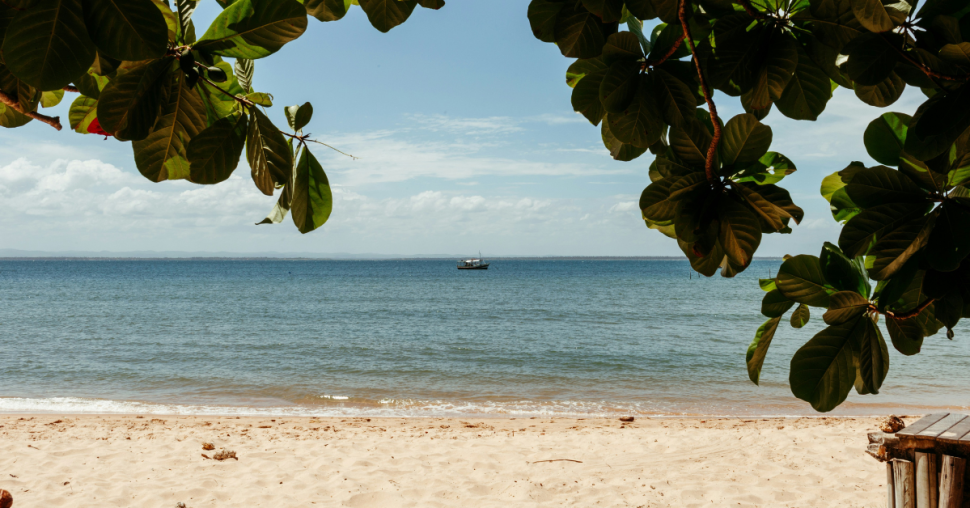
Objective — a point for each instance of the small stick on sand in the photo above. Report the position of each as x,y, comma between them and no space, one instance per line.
558,460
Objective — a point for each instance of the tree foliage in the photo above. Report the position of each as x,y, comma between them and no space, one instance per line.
144,76
902,253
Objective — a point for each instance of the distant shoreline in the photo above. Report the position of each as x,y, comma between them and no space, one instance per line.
403,258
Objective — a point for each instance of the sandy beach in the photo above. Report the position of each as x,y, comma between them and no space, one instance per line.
157,461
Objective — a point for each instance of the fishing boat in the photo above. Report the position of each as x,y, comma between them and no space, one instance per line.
473,264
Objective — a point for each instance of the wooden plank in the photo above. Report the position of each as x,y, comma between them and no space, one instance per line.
922,424
905,482
951,482
891,503
954,433
941,426
927,488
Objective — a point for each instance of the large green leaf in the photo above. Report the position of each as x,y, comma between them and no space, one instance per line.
640,123
163,154
744,139
871,59
779,198
619,85
845,306
894,249
214,153
186,32
130,105
808,91
869,226
883,94
759,348
618,150
327,10
48,45
873,357
738,54
801,279
823,371
11,118
740,232
244,69
843,273
872,15
774,304
621,47
690,142
387,14
126,29
579,33
879,185
609,11
834,23
675,99
586,97
800,317
580,68
906,334
938,122
771,168
949,243
885,137
269,156
299,116
542,18
780,64
25,95
769,213
312,198
83,111
255,29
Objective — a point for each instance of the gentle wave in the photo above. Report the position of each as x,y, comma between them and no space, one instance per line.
413,408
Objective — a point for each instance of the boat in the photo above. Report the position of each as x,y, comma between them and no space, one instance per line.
473,264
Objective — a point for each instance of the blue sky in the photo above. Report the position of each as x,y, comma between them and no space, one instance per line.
466,141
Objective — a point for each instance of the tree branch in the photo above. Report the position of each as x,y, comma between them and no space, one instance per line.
673,49
926,70
712,150
227,93
912,313
71,88
53,121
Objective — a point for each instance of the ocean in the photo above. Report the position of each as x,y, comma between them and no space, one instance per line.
415,338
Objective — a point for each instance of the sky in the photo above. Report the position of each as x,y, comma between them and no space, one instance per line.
466,142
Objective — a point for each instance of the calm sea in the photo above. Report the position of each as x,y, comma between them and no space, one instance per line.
413,337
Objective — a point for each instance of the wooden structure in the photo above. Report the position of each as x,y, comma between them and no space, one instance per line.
926,462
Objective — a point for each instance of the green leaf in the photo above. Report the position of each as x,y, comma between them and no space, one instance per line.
808,91
766,210
621,47
25,95
885,137
690,143
740,232
214,153
801,279
873,357
619,85
244,69
738,53
675,99
299,116
640,123
780,198
865,229
261,99
872,15
767,284
281,208
823,371
609,11
878,185
126,29
843,273
586,97
781,63
896,247
51,99
269,156
906,334
130,105
579,33
745,139
759,348
327,10
844,307
580,68
618,150
47,46
938,122
83,111
883,94
800,317
163,154
387,14
248,29
312,198
871,58
949,243
185,29
542,18
771,168
774,304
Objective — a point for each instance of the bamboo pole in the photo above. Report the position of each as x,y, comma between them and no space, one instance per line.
926,484
890,488
905,483
951,481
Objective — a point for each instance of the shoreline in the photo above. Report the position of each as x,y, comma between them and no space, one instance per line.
152,460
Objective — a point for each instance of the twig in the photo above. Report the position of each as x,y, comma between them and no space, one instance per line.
53,121
712,151
673,49
912,313
332,148
926,70
238,99
558,460
71,88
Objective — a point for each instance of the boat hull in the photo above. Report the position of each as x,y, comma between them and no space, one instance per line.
479,267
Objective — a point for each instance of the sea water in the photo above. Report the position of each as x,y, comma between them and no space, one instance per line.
415,338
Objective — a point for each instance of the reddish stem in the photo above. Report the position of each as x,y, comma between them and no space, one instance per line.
673,49
712,150
53,121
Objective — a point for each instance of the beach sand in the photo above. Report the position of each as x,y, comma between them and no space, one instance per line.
156,461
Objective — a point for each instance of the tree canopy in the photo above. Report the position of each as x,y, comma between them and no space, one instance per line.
144,76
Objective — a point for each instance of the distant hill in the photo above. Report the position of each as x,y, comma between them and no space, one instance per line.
150,254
